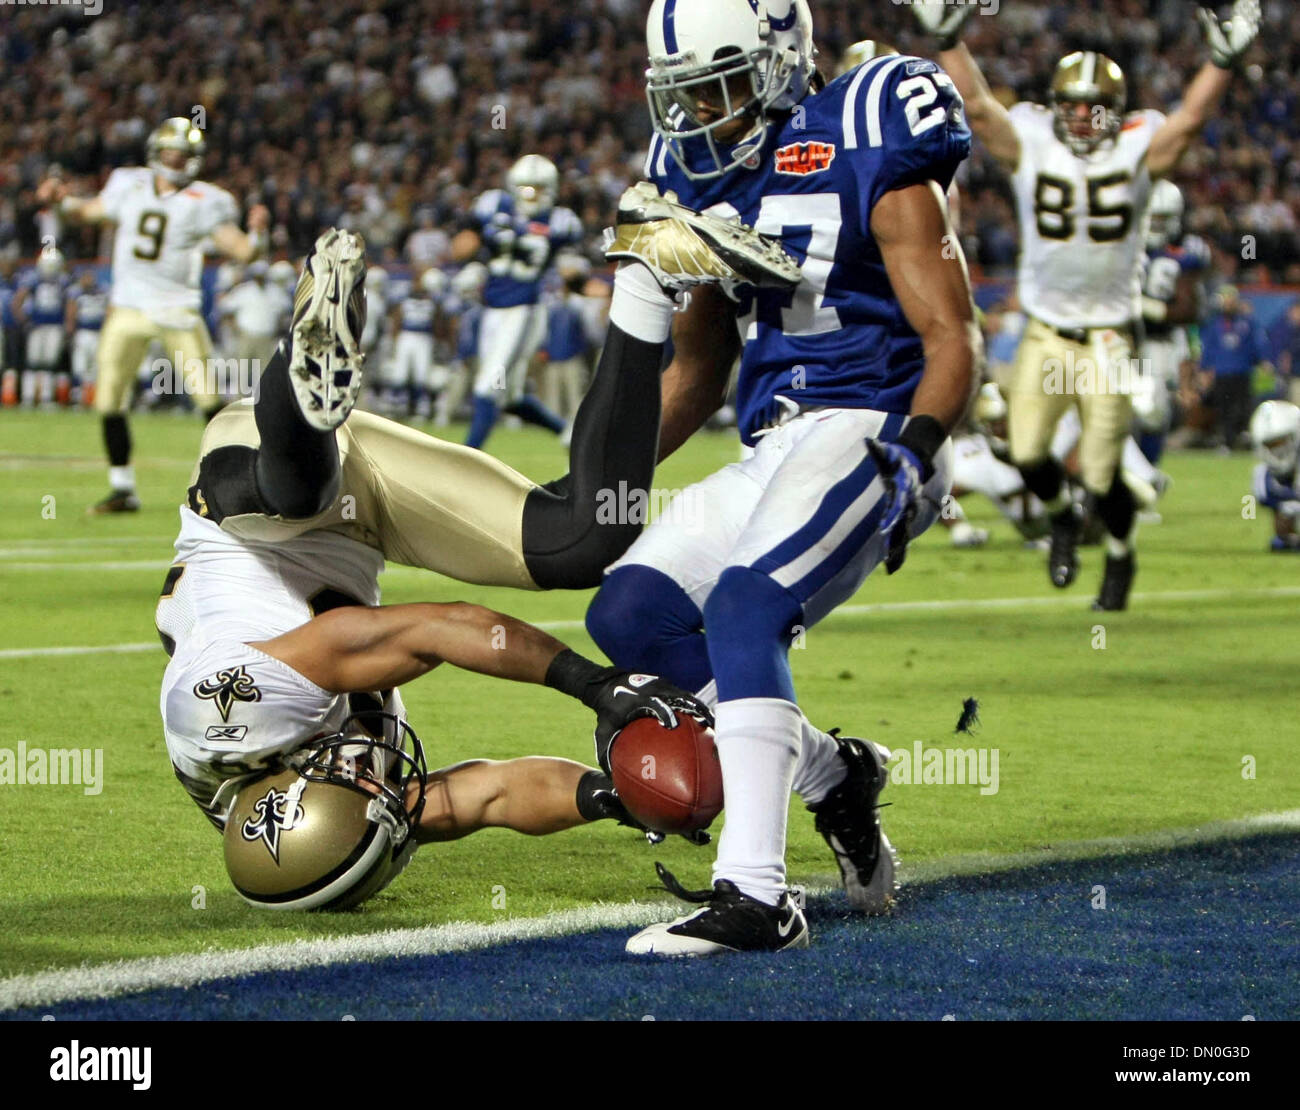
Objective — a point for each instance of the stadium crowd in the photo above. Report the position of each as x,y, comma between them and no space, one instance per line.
390,117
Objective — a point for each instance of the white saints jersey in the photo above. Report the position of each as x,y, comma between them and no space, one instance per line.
157,253
1083,221
228,708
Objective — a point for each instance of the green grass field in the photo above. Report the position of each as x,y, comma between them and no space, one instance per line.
1145,734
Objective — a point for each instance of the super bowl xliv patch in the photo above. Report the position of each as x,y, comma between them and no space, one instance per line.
801,159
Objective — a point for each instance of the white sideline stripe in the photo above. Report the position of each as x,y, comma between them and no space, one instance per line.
122,564
959,604
161,972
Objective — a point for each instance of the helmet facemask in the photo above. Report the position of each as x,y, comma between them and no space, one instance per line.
1104,125
676,87
378,755
180,135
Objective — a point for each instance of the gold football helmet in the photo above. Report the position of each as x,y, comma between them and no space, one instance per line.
177,133
334,826
860,52
1087,78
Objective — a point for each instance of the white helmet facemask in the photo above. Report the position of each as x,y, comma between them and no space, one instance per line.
741,59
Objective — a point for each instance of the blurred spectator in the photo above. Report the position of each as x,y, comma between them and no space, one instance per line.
366,112
1232,346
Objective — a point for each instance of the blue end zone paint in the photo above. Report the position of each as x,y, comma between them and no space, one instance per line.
1209,932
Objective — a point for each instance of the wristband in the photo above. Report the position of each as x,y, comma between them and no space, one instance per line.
923,436
571,674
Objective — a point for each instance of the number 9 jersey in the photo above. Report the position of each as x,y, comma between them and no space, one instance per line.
1082,221
157,252
840,339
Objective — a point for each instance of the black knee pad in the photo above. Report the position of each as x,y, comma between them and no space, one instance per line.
1117,508
1043,479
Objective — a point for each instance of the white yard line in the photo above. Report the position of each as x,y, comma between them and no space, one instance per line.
956,605
111,565
161,972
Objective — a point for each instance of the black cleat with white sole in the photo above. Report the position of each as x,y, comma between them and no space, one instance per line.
329,314
728,922
849,820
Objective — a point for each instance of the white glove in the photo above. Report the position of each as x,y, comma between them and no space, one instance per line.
1229,41
943,22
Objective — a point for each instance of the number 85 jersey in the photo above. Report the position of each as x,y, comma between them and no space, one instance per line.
1082,221
840,340
157,252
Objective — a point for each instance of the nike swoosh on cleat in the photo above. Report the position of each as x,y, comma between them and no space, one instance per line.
783,929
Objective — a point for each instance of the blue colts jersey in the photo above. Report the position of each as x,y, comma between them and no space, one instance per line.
1273,491
91,309
1161,270
521,248
46,301
417,314
840,339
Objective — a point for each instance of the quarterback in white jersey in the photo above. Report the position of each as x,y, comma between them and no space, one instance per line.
1083,172
164,217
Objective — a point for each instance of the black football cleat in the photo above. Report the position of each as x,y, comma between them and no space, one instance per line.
729,922
1116,583
849,820
1063,554
119,501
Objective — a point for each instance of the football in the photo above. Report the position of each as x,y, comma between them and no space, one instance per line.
670,779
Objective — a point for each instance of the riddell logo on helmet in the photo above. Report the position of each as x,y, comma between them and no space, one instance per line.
801,159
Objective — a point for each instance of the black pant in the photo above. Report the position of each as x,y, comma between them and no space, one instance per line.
1231,397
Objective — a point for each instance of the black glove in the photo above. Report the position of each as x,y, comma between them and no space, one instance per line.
620,697
599,801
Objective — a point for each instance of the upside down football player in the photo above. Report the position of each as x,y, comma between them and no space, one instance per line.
1083,174
271,614
848,387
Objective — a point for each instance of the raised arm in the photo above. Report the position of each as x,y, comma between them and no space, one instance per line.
1228,43
988,119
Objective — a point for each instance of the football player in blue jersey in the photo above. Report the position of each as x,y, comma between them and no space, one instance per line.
41,306
518,229
849,385
1275,433
87,309
1173,298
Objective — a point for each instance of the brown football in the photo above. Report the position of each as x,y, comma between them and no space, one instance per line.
669,779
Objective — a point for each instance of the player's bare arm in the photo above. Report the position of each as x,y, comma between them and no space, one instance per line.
928,273
244,246
358,648
1228,43
534,795
987,116
695,383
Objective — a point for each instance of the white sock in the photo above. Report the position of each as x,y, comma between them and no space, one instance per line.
121,478
1137,463
820,768
758,745
639,307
